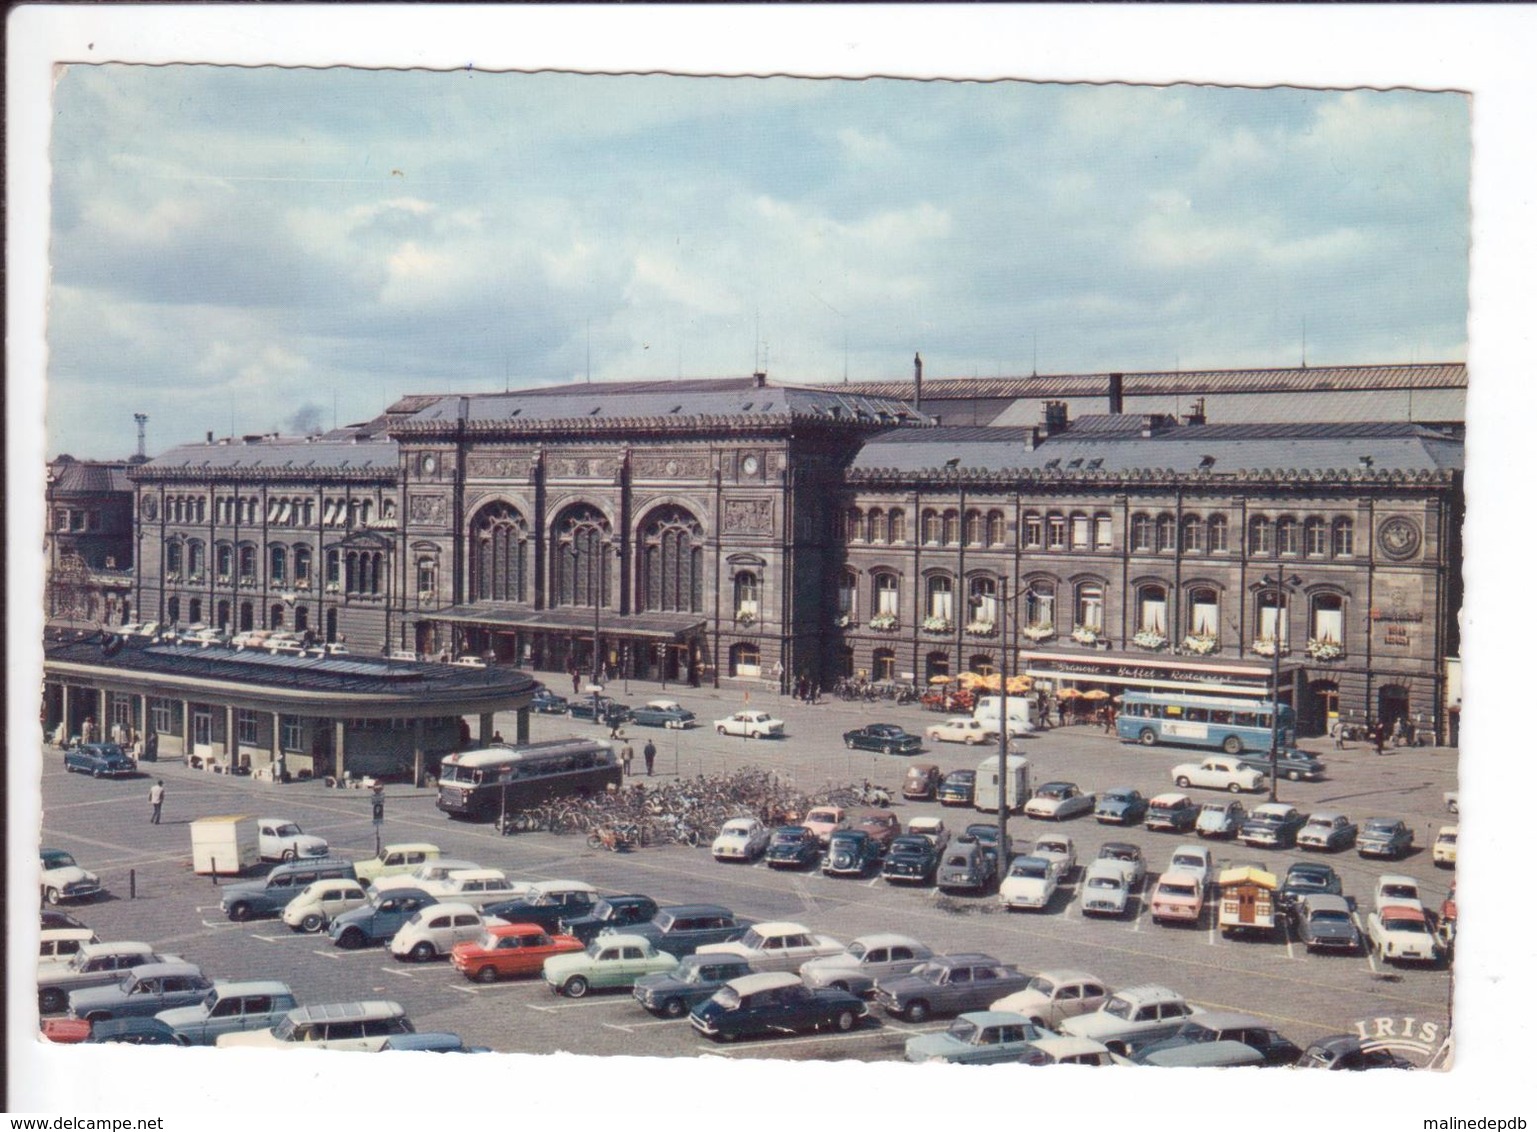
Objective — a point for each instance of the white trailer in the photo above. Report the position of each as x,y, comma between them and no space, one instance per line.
225,845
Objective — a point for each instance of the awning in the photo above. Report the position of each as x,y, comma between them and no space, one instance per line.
571,620
1180,674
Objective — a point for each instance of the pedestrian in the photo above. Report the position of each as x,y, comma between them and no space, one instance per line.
576,682
117,733
1378,737
626,757
1061,713
152,746
1339,736
88,730
136,750
61,735
650,756
156,800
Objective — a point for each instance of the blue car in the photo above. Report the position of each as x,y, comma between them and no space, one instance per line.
1121,805
775,1003
663,713
983,1037
378,920
793,847
604,710
99,760
1385,837
546,702
850,853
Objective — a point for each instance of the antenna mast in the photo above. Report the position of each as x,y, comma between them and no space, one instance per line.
141,419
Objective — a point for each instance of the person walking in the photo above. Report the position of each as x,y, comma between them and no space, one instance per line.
88,730
649,754
626,757
156,800
1339,736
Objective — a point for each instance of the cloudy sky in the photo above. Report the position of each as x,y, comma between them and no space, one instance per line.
252,250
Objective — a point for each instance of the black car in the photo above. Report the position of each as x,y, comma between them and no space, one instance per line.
958,788
850,853
616,912
1307,878
793,847
1224,1026
1345,1051
674,993
546,702
912,859
948,984
604,710
775,1002
53,918
887,738
682,929
546,909
1293,764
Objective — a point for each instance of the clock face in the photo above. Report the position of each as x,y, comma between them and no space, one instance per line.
749,465
429,464
1399,537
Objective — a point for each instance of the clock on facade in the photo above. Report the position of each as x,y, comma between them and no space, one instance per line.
1398,537
429,464
749,465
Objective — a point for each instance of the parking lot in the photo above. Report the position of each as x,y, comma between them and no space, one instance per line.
105,824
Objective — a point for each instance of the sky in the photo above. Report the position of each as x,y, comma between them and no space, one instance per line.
244,250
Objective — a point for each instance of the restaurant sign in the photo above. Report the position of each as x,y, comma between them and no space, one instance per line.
1116,671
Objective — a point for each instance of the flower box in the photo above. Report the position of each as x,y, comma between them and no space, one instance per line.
1263,648
1038,632
981,628
884,623
1086,635
1200,644
844,622
744,617
1324,650
937,625
1149,639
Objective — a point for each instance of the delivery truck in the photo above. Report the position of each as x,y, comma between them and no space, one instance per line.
226,845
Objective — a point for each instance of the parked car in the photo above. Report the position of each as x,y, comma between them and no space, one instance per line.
740,839
1347,1051
870,957
1325,923
378,918
1220,819
99,760
1219,772
434,930
283,840
912,859
1128,857
1053,1050
134,1031
546,702
751,725
1394,888
1053,996
850,852
432,1041
546,903
1060,851
932,828
958,788
772,1003
921,782
1444,852
57,918
1292,764
961,729
1385,837
598,709
1136,1014
1328,831
426,875
980,1037
1308,878
228,1008
313,908
1058,801
1031,882
776,945
1403,934
887,738
1120,805
1193,858
1105,891
506,951
1175,813
948,984
681,929
347,1026
63,879
793,847
480,887
395,860
824,820
1178,897
881,826
664,713
1220,1026
967,866
986,834
94,965
672,994
59,945
616,912
143,990
1205,1055
1273,825
613,959
269,895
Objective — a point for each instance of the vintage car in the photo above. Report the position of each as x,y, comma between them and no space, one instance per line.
683,928
1290,763
1328,831
1204,1055
1105,891
433,931
1058,801
1385,837
317,904
480,887
1060,851
1308,878
967,866
1449,798
613,959
962,729
1128,857
751,725
1031,882
1053,1050
912,859
57,918
546,903
1394,888
887,738
793,847
881,826
1053,996
1219,772
228,1008
344,1025
824,820
740,839
424,875
870,957
1219,1026
598,709
59,945
1120,805
283,840
431,1041
135,1031
931,827
958,788
269,895
672,994
1273,825
772,1003
921,782
1444,852
63,879
1220,819
1136,1014
948,984
508,950
981,1037
94,965
99,760
616,912
396,859
664,713
986,834
850,853
143,990
1403,934
1175,813
1348,1052
1193,858
1178,898
776,945
1325,923
379,918
546,702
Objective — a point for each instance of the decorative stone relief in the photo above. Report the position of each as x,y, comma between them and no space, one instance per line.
1398,537
581,466
749,516
429,509
499,465
683,466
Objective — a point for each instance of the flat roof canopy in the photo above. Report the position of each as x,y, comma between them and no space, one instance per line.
568,619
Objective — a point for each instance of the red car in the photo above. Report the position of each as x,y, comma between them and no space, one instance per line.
509,950
882,826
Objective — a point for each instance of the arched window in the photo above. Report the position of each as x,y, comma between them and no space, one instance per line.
275,616
1078,530
936,664
671,571
224,562
982,664
303,563
173,560
1041,605
853,525
1216,534
1205,621
197,563
847,582
247,565
1165,534
975,530
951,534
884,665
195,610
995,526
1153,610
897,522
745,591
248,617
1034,532
277,572
581,536
331,620
1286,536
1268,617
498,557
940,593
982,604
1261,536
931,532
1191,530
744,658
1327,623
1315,538
1104,538
301,618
221,615
876,525
1089,607
1056,532
173,610
1344,538
1141,532
887,596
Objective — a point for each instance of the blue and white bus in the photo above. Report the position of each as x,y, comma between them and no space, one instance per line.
1234,725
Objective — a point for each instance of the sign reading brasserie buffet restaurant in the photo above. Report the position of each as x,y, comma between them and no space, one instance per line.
1120,671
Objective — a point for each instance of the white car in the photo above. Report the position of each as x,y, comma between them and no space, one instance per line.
1220,772
740,839
316,904
932,828
1053,996
1397,890
1178,897
1193,859
1070,1051
352,1025
1106,890
1126,857
1031,882
866,959
1059,850
283,840
1444,851
430,871
1058,801
778,945
477,886
63,879
1143,1014
962,729
1401,934
751,724
58,945
434,930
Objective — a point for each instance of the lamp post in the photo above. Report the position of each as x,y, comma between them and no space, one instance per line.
599,579
1282,587
1003,726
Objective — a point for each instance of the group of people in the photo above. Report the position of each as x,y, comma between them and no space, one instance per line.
807,690
1404,732
126,736
627,757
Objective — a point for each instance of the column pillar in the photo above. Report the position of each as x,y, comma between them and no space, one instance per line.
64,710
275,755
340,746
231,743
141,724
486,728
523,714
186,729
417,754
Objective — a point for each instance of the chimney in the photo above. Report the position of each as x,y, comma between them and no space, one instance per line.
917,383
1032,439
759,379
1116,405
1197,414
1053,417
210,436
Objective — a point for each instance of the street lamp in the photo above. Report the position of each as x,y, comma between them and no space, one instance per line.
1282,588
597,626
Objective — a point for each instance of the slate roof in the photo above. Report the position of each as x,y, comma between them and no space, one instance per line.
354,450
88,478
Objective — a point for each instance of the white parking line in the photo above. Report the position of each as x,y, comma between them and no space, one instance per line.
631,1027
875,880
275,938
217,924
397,972
572,1005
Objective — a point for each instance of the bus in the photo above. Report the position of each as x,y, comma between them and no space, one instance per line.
1235,725
499,780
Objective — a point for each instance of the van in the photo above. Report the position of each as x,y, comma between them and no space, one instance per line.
349,1025
1021,713
985,796
271,894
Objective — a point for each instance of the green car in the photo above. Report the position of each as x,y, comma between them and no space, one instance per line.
610,960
